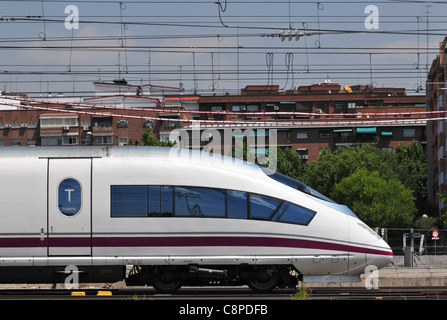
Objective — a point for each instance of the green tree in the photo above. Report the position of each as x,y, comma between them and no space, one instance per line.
289,163
411,167
332,167
407,164
149,140
375,200
443,197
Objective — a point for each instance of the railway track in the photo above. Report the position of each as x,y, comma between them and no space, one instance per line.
225,303
228,293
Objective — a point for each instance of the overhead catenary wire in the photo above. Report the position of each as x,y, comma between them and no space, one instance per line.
178,2
269,124
248,113
169,20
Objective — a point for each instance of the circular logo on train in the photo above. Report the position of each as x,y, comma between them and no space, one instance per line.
69,197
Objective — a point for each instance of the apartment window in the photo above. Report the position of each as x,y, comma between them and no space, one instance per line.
31,124
51,141
440,102
31,143
51,123
71,122
301,135
216,108
58,122
85,123
122,141
2,143
16,142
409,133
252,107
260,150
325,134
103,122
2,125
70,140
148,124
103,140
303,153
16,124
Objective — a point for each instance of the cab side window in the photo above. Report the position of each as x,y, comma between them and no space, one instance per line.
199,202
129,201
296,215
262,207
237,204
185,201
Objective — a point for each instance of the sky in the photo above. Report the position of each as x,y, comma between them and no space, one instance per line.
217,46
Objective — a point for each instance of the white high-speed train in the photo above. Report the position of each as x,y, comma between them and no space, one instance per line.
173,217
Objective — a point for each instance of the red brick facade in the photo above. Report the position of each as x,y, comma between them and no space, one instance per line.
307,120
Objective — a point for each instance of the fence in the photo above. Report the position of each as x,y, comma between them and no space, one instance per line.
423,241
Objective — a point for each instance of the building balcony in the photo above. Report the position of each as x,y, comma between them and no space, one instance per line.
57,131
51,131
102,129
168,126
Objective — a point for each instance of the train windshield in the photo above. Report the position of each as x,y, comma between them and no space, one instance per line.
295,184
307,190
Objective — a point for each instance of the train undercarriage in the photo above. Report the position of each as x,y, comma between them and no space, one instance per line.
168,279
165,279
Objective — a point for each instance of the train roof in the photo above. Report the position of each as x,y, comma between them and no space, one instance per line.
53,152
165,155
128,152
86,151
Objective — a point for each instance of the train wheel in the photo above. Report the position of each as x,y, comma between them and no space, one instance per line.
165,281
265,279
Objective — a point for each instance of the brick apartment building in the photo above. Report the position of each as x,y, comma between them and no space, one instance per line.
307,120
358,115
61,124
437,129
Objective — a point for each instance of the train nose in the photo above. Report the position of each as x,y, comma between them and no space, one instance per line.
379,254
